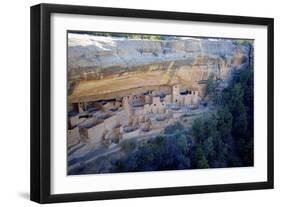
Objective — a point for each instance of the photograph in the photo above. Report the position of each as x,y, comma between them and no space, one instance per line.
152,102
133,103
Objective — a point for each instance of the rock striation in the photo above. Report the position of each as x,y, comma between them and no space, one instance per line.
106,67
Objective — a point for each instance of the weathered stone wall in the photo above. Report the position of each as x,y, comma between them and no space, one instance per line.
95,134
110,122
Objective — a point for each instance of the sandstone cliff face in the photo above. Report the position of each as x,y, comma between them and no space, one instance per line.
105,67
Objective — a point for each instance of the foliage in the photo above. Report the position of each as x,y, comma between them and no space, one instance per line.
210,86
174,128
161,153
226,137
125,35
128,145
244,42
200,158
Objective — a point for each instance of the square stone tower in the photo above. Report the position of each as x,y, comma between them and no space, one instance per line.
175,94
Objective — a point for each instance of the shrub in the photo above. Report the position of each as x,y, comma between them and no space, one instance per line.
128,145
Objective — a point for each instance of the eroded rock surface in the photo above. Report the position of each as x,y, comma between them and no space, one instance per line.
106,67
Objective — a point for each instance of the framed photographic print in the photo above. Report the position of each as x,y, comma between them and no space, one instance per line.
133,103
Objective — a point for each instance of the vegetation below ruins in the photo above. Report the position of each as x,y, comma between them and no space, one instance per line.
223,138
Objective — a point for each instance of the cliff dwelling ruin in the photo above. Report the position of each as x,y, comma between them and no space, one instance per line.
132,88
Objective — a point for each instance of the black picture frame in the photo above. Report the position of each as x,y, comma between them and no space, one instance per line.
41,98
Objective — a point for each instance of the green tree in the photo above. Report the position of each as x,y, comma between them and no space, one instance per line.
224,123
182,144
174,128
208,147
240,120
244,42
197,130
128,145
202,162
210,86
